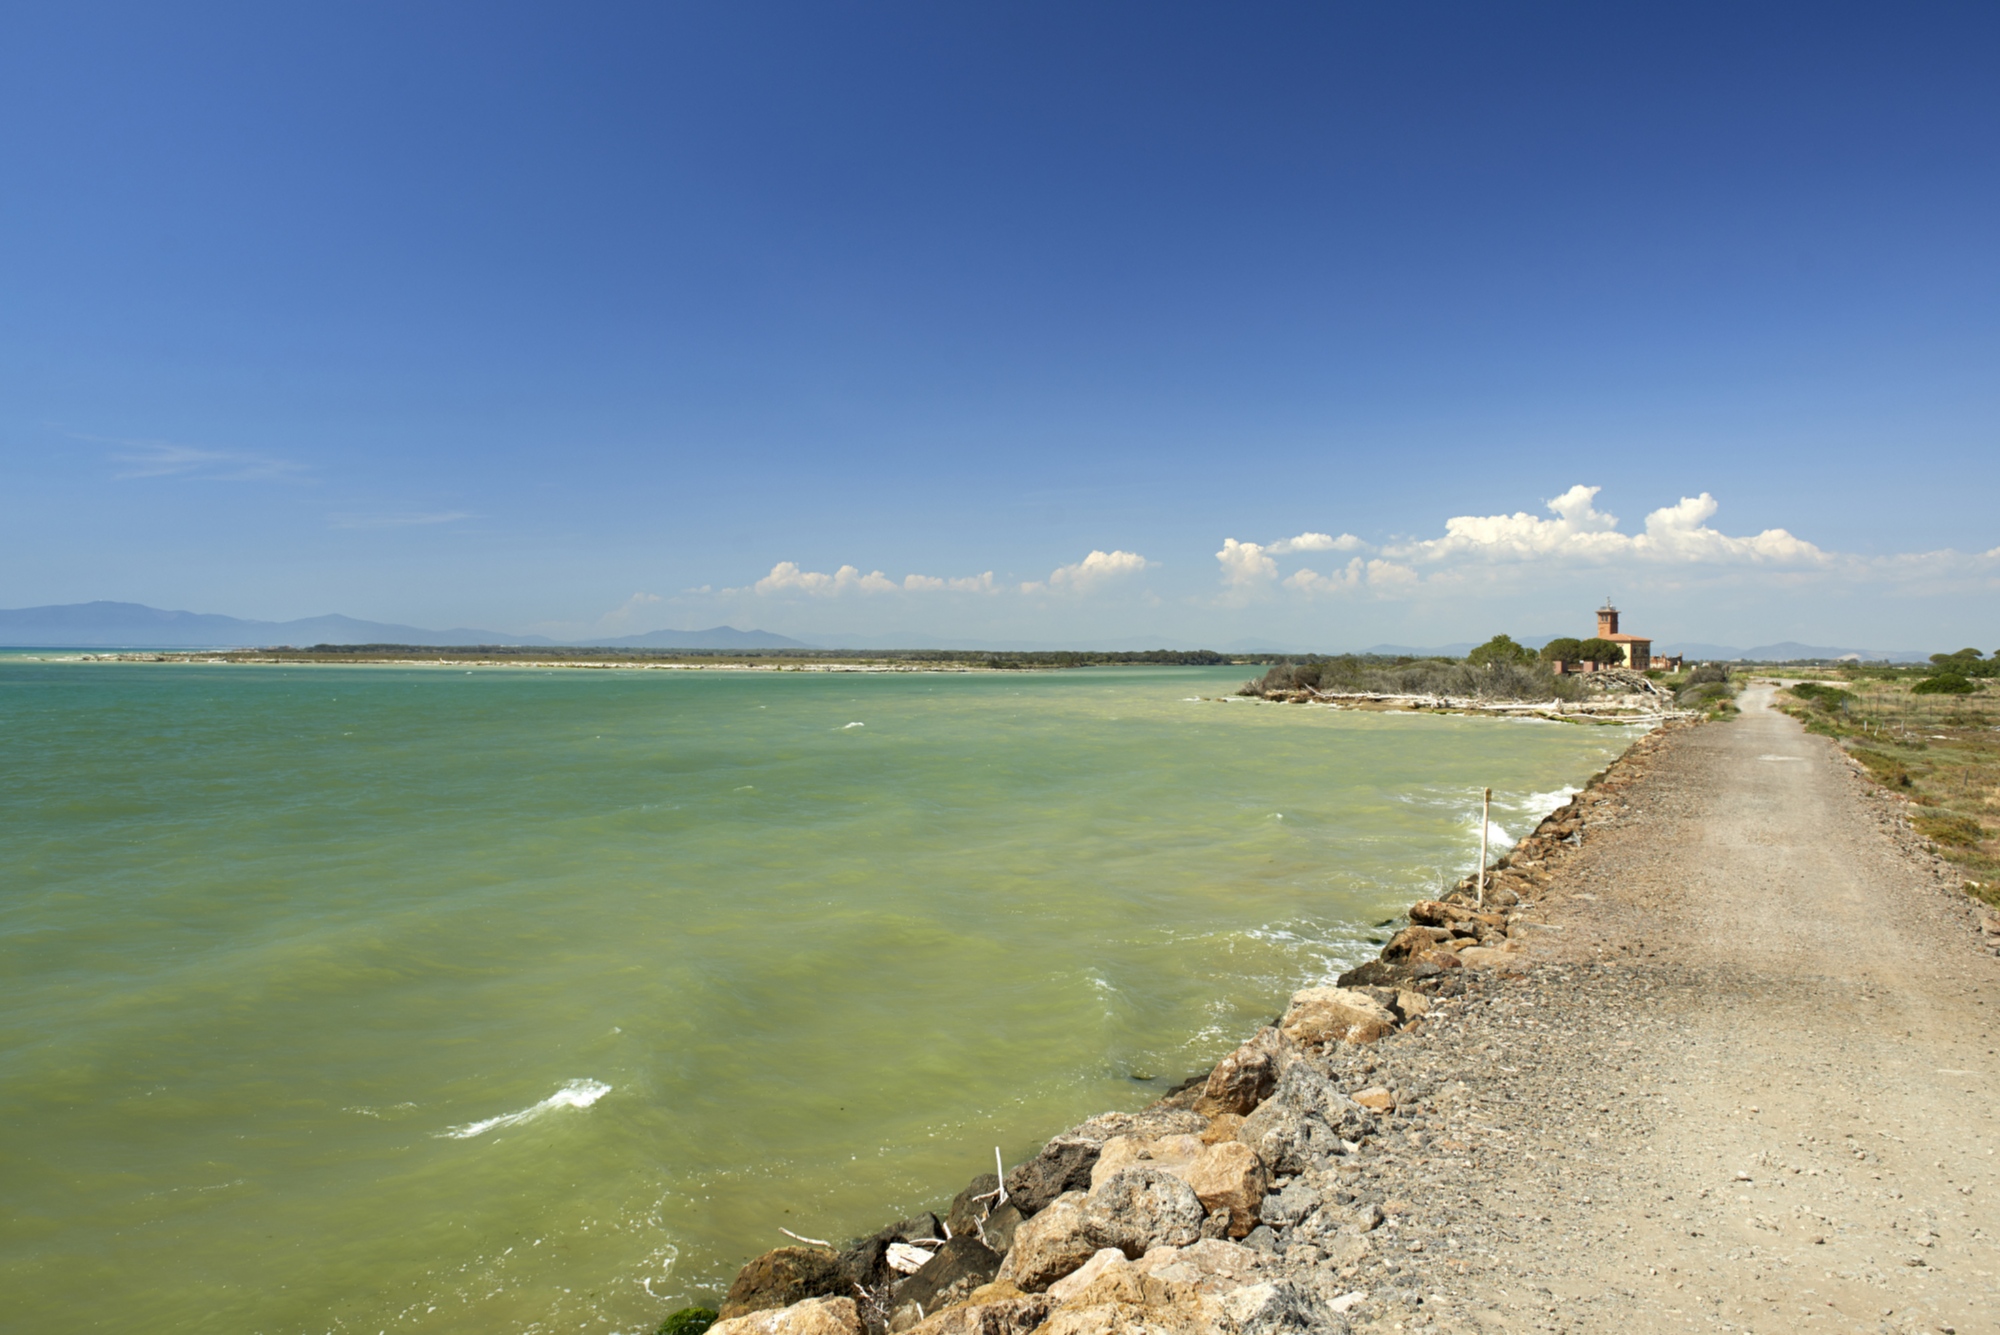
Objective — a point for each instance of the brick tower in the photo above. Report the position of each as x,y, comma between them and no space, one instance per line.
1607,621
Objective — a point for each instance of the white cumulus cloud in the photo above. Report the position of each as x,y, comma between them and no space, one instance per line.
1092,572
1580,531
1248,564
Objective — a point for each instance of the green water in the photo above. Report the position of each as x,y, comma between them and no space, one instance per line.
278,946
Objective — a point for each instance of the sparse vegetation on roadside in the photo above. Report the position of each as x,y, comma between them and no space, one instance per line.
1936,744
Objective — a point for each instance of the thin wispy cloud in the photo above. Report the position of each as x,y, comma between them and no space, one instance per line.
788,578
164,458
399,519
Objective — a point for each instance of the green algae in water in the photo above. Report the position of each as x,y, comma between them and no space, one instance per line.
417,1000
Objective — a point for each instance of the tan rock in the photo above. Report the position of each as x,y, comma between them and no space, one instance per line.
1000,1316
1231,1177
1491,957
1078,1280
1224,1127
1125,1301
814,1316
1244,1078
1049,1245
1376,1100
1442,958
1211,1265
1172,1153
1324,1014
1412,1004
1411,942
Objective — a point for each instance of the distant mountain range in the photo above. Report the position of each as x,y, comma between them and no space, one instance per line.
105,625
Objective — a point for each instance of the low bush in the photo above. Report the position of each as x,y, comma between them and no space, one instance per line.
1945,828
1945,683
1886,769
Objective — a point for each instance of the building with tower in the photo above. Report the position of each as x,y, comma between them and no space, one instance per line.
1638,649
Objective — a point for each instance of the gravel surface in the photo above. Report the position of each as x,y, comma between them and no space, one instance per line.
1748,1083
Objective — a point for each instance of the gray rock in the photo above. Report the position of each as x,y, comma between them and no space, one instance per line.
1280,1308
1139,1208
1064,1164
1304,1123
1282,1209
1262,1239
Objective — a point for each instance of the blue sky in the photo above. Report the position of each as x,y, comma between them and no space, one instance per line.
609,317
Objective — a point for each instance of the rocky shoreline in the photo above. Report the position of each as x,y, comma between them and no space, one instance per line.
1276,1193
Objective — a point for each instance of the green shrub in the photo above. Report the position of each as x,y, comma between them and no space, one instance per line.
1944,683
1828,698
1945,828
1886,769
1500,649
688,1321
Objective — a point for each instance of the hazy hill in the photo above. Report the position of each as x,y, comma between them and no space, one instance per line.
107,625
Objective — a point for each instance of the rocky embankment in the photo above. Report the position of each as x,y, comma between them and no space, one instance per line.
1614,695
1275,1194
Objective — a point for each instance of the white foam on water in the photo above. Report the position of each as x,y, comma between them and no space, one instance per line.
575,1094
845,726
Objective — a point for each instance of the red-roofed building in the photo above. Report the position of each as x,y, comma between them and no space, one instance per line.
1638,649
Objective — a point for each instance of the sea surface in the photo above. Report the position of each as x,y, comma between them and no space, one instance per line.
421,999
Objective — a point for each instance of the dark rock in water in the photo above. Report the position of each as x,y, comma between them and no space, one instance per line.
1375,973
1138,1209
998,1231
1063,1165
960,1266
783,1277
924,1225
866,1263
972,1204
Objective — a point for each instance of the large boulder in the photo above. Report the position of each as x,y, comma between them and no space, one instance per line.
1211,1265
1052,1243
783,1277
1171,1153
1280,1308
1304,1123
997,1316
1326,1014
960,1266
1085,1275
1125,1301
813,1316
1245,1078
1229,1177
1063,1165
1139,1208
1283,1209
973,1204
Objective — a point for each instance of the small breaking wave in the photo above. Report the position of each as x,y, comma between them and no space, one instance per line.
575,1094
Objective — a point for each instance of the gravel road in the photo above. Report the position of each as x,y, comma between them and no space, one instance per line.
1748,1085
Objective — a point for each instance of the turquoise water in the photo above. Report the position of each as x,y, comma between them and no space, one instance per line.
386,999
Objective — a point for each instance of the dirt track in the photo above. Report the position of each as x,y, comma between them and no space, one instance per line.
1749,1086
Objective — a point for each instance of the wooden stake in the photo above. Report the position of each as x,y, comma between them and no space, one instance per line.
1485,820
